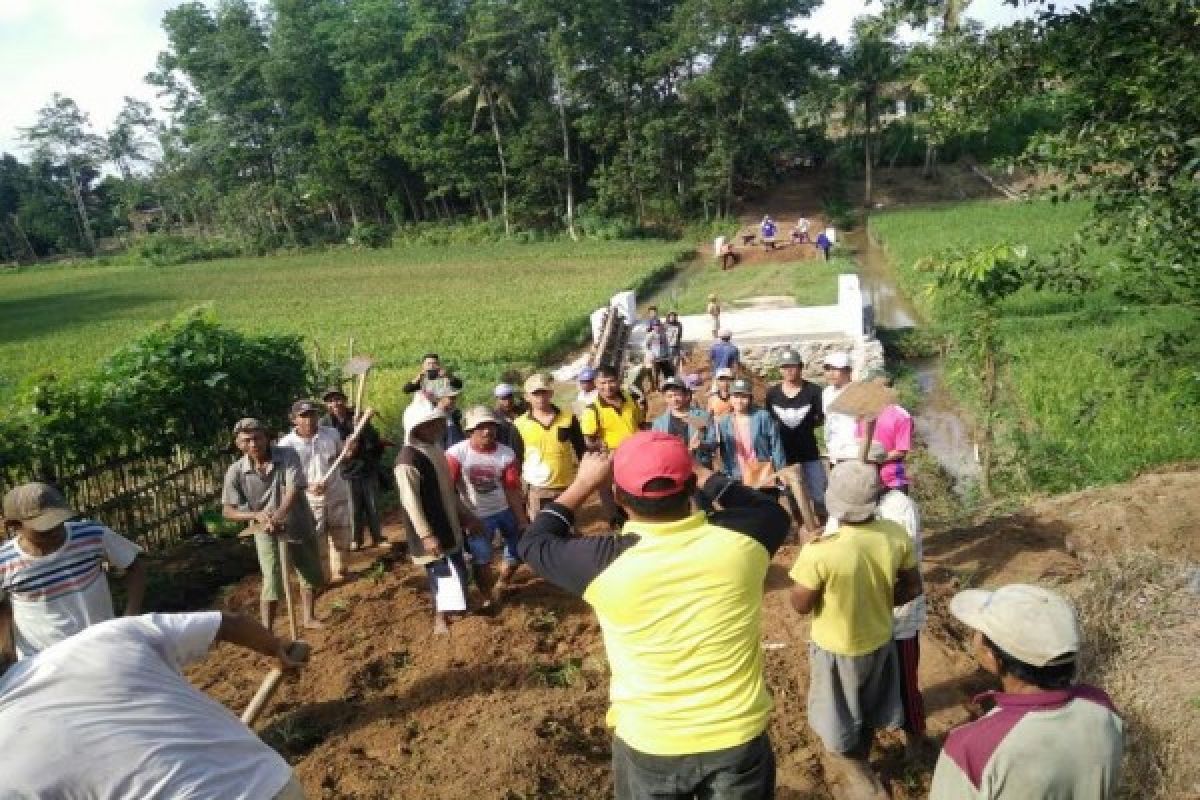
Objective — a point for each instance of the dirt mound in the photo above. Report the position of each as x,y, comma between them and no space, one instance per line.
512,705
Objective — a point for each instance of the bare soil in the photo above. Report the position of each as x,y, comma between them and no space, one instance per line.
512,705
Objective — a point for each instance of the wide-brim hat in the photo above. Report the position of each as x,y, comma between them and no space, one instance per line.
478,415
539,382
853,491
419,412
1034,625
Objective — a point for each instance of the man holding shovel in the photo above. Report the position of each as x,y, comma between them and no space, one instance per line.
319,448
265,487
360,468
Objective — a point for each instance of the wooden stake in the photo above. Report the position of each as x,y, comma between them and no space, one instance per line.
297,651
285,567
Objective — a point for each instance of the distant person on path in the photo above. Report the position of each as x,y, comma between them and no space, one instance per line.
436,512
674,330
678,595
728,257
713,309
796,406
720,402
824,244
840,429
266,487
52,569
552,442
1046,736
684,420
800,232
659,347
360,469
107,715
488,476
850,581
767,232
724,354
748,440
610,420
587,390
318,447
893,430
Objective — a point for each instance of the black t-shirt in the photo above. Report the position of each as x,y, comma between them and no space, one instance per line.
798,417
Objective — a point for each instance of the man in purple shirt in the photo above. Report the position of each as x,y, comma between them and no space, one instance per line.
724,354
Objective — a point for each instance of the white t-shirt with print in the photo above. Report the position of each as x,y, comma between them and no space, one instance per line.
58,595
839,428
908,619
105,715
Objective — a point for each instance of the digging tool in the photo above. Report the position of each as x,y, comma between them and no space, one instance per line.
285,567
358,428
865,399
794,481
297,651
357,368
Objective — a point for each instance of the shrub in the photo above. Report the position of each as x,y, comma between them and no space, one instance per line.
368,234
167,249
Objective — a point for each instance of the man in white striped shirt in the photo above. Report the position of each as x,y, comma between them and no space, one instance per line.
52,567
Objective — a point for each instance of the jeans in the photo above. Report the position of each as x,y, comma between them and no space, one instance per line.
744,772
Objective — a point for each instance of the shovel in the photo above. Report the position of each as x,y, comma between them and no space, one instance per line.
297,651
865,399
357,368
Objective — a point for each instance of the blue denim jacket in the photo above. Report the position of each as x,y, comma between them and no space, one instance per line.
767,444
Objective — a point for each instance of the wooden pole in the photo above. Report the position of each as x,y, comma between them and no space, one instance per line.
285,567
297,651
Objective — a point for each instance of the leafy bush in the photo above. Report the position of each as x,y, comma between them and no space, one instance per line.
368,234
183,385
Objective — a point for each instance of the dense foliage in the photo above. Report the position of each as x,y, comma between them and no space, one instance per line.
179,386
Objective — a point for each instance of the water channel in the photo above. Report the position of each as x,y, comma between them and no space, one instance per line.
938,422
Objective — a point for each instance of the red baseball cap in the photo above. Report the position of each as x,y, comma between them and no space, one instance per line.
648,455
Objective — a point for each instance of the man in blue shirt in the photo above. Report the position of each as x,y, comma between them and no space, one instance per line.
724,354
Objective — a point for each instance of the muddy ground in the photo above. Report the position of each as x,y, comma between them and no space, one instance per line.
512,705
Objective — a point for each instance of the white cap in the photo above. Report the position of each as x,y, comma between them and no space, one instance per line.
837,360
1031,624
723,372
420,411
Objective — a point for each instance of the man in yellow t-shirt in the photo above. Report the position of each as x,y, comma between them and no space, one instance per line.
678,594
551,441
850,581
611,419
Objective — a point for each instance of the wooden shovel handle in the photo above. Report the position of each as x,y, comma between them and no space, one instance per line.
297,651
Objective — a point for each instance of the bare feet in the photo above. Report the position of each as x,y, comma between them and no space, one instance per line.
440,628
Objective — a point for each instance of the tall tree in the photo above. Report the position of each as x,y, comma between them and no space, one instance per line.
870,64
62,135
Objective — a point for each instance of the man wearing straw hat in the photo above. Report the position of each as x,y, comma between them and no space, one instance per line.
265,487
1046,736
850,581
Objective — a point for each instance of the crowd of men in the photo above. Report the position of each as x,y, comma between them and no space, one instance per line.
697,512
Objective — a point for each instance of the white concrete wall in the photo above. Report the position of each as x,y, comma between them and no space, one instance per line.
850,306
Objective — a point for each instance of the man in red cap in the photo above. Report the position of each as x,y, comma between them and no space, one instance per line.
678,594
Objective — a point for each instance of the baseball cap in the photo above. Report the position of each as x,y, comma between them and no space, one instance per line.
648,455
538,382
1032,624
503,390
305,407
37,505
853,491
790,357
673,383
837,360
247,425
587,374
724,372
741,386
332,393
724,333
478,416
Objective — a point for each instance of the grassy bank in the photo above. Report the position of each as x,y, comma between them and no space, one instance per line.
486,309
1092,390
811,282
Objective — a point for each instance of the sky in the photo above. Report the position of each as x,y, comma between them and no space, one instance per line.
99,51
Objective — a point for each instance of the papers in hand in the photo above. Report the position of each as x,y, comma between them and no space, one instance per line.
450,596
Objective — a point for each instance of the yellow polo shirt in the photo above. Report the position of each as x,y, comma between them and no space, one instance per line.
681,614
549,454
855,570
613,424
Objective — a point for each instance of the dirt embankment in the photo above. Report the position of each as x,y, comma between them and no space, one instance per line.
512,705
